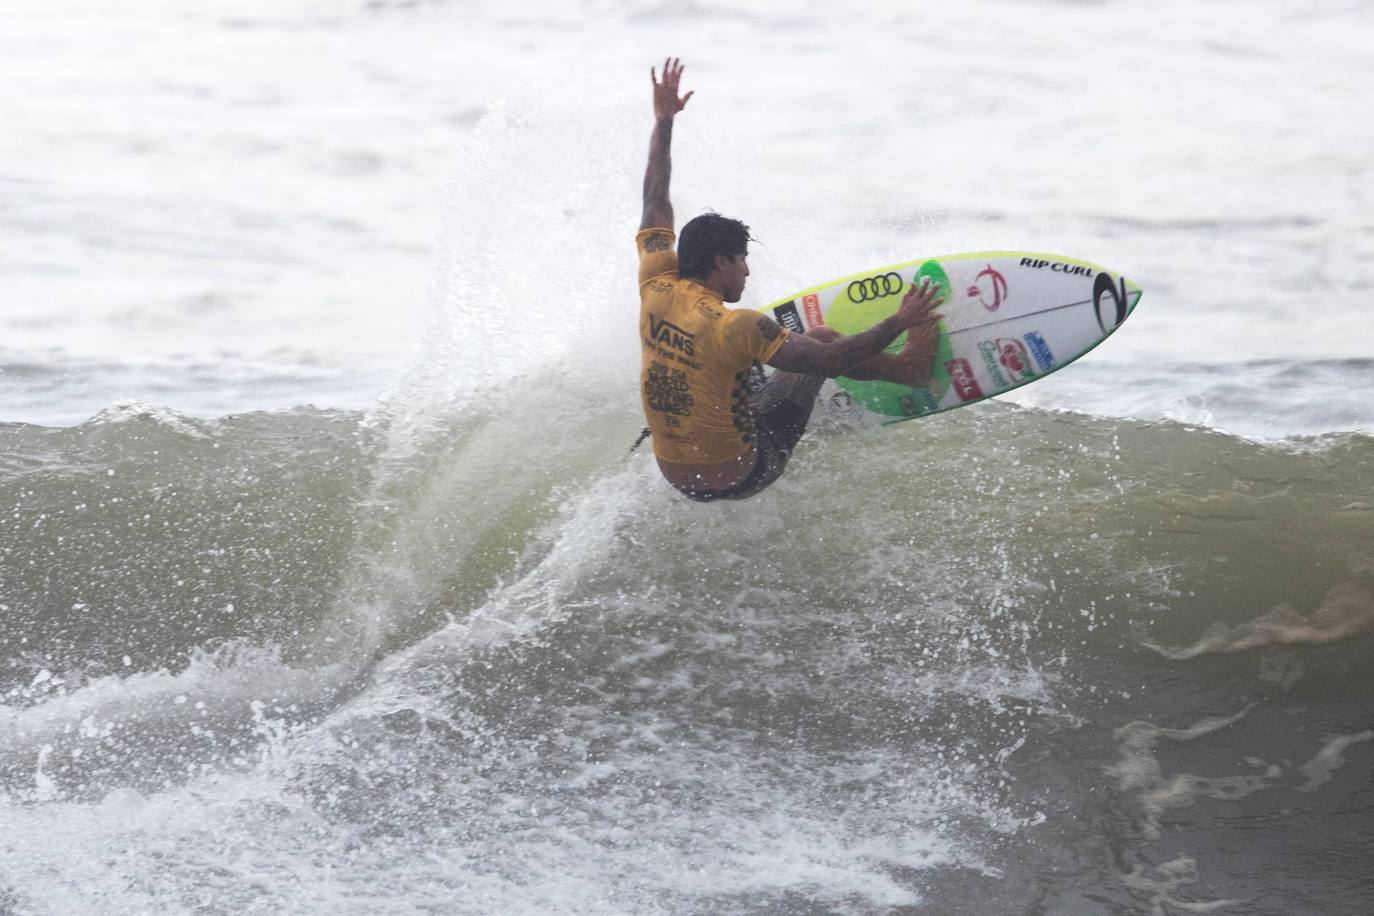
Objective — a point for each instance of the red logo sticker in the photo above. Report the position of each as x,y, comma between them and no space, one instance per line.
811,306
1014,357
989,288
961,377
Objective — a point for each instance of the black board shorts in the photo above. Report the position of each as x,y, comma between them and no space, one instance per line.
776,432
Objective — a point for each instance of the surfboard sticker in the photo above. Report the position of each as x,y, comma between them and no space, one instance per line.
1010,318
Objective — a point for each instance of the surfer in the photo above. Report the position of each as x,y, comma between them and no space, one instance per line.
714,437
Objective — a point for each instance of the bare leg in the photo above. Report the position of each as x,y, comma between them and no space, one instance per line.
800,389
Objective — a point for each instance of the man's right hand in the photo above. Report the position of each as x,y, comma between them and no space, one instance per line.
919,303
666,101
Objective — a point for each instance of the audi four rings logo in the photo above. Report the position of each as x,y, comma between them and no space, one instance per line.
889,284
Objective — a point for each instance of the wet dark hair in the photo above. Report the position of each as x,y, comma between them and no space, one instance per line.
706,236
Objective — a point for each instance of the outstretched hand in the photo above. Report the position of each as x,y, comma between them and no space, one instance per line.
666,100
919,304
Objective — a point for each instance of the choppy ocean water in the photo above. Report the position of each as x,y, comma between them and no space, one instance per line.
327,583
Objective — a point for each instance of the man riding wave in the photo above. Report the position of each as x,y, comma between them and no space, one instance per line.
714,437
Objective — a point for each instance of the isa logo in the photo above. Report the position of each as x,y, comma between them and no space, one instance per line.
1040,350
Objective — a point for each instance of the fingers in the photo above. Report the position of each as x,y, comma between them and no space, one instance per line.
928,318
928,294
672,72
666,101
919,303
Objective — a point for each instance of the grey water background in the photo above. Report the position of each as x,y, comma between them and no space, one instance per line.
327,583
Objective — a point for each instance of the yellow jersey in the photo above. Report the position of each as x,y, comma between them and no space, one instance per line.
696,357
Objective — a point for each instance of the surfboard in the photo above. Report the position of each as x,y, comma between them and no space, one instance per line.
1010,318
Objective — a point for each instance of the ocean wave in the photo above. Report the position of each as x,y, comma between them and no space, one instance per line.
394,624
152,533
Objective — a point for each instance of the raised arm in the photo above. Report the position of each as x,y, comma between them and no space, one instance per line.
658,209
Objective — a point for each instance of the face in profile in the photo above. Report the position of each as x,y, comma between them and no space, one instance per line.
732,272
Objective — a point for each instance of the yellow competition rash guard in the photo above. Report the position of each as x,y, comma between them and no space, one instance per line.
696,359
